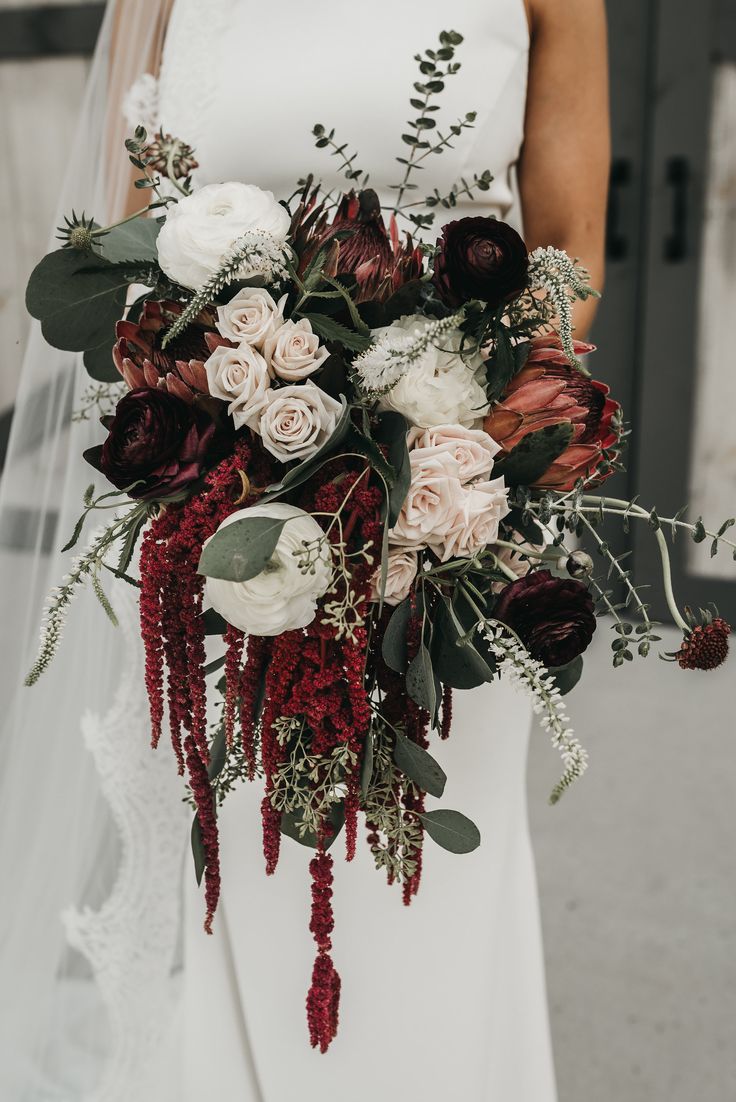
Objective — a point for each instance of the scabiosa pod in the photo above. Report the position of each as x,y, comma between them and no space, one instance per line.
704,645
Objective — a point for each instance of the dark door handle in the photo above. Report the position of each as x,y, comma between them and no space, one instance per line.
617,245
678,181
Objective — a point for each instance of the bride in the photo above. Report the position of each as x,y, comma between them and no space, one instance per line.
122,996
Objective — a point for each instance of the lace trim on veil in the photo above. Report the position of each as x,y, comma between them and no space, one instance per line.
131,941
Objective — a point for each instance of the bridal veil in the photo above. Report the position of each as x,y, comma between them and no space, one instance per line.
84,984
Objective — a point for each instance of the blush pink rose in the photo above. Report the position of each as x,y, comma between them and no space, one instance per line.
293,351
469,452
431,501
474,525
403,564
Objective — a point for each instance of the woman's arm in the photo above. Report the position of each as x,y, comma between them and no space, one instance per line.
138,31
564,165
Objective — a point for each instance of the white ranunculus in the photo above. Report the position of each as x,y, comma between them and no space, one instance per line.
282,597
294,351
440,388
251,316
201,229
474,525
403,564
296,420
470,451
240,377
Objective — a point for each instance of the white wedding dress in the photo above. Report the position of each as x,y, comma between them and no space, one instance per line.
445,999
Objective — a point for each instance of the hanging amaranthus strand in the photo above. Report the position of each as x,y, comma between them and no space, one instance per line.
323,997
202,792
172,624
233,656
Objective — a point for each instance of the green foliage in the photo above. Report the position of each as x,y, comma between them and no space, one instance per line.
567,677
419,766
78,298
421,683
330,330
325,139
533,455
241,550
456,664
132,241
507,361
451,830
390,430
395,645
292,825
198,852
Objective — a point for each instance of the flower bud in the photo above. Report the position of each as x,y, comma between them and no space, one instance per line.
579,564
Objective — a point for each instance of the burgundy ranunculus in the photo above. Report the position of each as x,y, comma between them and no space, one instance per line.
553,617
479,258
379,258
156,440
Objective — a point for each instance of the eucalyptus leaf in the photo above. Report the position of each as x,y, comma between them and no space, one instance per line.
419,765
218,753
420,681
198,853
527,527
290,821
357,441
567,677
133,241
214,624
98,362
391,430
77,297
366,767
505,364
394,647
451,830
533,455
215,665
460,666
241,550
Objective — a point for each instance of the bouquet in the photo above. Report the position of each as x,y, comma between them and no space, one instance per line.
363,459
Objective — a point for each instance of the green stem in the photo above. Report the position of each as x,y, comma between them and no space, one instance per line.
667,581
102,230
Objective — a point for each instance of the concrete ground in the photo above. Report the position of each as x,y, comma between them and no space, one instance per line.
637,874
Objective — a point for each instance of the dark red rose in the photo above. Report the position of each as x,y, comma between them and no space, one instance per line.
379,258
553,617
479,258
156,440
